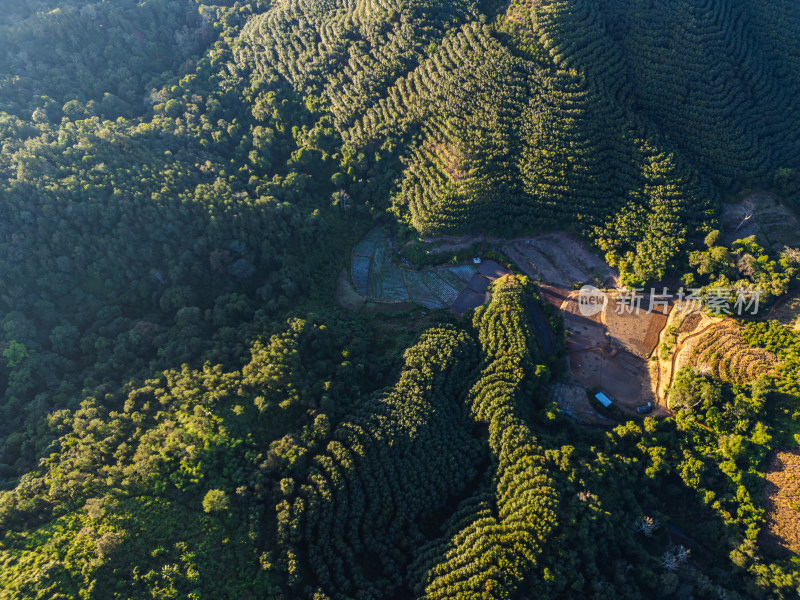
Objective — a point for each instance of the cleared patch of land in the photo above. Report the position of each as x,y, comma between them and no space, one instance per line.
618,373
767,217
636,328
574,401
607,353
788,313
782,502
609,350
553,258
560,260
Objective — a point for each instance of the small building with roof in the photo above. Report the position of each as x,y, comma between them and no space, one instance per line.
603,399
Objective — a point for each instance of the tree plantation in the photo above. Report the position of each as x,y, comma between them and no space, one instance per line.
187,411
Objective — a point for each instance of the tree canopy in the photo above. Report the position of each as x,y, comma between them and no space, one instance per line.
187,412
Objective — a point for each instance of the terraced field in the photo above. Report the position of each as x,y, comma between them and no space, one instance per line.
722,351
380,275
687,333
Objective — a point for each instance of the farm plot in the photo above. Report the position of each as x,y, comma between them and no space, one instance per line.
380,278
560,260
722,351
419,290
638,331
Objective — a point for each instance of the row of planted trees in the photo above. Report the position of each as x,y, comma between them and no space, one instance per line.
493,140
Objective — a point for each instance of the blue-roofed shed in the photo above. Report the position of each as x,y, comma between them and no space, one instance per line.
603,399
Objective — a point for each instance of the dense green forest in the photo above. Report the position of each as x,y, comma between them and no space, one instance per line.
622,123
187,413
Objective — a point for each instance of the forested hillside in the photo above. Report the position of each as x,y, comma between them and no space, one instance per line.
137,245
185,411
109,59
621,119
